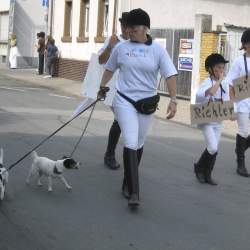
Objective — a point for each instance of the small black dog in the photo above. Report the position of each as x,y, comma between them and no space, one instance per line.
45,166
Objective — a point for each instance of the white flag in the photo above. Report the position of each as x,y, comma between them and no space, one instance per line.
82,106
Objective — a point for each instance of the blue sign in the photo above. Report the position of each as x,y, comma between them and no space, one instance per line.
185,63
46,3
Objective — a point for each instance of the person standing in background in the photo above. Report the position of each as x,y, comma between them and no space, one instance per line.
40,50
51,54
13,51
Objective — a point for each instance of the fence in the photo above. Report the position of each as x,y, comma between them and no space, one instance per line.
173,37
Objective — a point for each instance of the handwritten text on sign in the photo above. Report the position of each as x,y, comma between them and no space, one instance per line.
214,112
242,88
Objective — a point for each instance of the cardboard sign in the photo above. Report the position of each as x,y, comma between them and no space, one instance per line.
212,112
92,81
241,88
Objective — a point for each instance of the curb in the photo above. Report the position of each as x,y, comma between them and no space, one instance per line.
226,135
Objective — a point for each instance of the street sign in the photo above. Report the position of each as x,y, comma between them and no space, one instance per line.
185,63
185,58
46,3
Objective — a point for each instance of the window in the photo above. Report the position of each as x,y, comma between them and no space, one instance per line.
4,26
102,24
84,22
106,15
67,33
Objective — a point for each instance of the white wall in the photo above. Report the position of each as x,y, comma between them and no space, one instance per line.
75,50
4,5
181,13
164,14
28,21
4,27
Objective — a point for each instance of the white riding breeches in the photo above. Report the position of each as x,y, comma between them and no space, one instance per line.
134,126
242,120
212,135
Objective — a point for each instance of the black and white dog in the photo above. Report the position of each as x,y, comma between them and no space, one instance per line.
45,166
3,176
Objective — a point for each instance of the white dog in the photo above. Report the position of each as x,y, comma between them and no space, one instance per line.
44,166
4,176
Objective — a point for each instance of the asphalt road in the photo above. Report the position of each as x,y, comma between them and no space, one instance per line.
177,213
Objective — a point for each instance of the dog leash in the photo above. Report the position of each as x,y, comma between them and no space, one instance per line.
55,132
83,132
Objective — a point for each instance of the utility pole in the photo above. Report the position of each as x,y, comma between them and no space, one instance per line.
46,15
11,26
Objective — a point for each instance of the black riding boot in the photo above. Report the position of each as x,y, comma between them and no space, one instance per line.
139,154
248,143
124,183
241,146
114,135
131,176
199,167
209,168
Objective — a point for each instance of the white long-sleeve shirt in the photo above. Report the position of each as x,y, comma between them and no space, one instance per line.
207,84
238,70
138,66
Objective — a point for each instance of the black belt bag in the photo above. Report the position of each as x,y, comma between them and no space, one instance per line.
146,106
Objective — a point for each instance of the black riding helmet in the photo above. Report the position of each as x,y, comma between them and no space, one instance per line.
123,18
214,59
138,17
245,38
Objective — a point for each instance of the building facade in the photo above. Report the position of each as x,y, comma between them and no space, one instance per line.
29,18
81,26
4,30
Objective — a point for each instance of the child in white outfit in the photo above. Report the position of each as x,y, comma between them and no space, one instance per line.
213,89
241,67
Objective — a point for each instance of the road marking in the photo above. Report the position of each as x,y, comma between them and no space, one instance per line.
61,96
33,88
37,111
8,88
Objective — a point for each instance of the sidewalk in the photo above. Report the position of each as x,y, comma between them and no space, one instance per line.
74,88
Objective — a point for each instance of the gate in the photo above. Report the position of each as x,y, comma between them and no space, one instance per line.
173,37
230,44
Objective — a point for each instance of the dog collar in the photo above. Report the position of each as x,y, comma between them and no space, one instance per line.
55,170
148,42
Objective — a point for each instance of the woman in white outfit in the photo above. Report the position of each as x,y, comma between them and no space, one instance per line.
13,52
139,60
104,54
213,89
241,67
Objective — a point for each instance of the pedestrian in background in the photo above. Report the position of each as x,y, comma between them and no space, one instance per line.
51,55
41,50
13,51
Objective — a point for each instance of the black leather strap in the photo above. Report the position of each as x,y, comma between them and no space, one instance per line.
148,42
221,90
126,98
246,67
55,170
